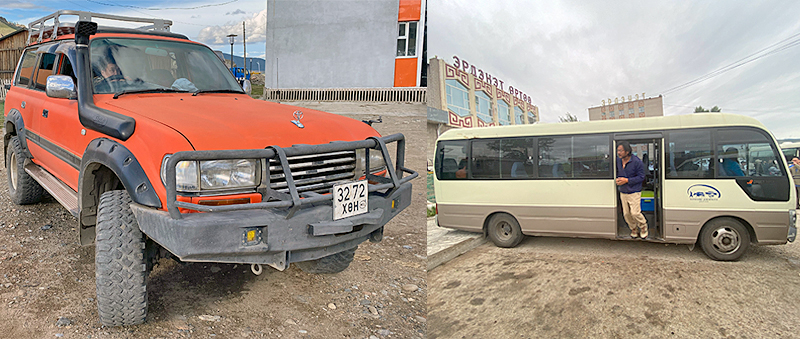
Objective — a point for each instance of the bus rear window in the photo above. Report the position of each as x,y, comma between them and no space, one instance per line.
451,160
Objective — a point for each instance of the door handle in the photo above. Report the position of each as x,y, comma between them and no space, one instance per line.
44,113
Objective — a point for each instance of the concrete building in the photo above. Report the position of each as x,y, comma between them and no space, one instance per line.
345,44
628,108
464,96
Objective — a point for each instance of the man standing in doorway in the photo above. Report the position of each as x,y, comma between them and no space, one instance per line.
630,176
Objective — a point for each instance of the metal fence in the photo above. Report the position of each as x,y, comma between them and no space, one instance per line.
415,94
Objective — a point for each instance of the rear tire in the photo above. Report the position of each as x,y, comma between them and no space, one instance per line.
120,262
333,263
24,190
724,239
504,231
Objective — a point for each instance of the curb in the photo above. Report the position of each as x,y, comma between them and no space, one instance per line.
451,252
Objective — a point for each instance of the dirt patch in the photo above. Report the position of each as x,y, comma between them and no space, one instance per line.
611,289
46,275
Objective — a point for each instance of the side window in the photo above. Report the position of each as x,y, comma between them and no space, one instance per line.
66,69
486,159
555,154
25,71
451,160
690,154
744,152
591,156
44,69
510,158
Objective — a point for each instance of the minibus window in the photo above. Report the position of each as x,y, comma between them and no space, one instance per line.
690,154
591,156
451,160
554,157
486,159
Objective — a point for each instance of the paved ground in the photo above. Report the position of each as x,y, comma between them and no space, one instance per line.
45,275
444,244
578,288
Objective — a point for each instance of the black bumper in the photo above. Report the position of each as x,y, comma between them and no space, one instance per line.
309,234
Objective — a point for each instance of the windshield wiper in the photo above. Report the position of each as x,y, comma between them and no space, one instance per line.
217,91
152,90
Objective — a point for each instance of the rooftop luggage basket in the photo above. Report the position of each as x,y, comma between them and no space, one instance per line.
294,199
42,31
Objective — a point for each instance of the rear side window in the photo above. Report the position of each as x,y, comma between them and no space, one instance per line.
44,69
502,158
25,71
451,159
690,154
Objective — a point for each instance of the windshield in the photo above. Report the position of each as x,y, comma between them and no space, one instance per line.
133,65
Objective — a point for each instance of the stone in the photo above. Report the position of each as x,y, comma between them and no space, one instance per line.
62,321
46,227
332,306
410,287
420,319
372,310
365,302
408,247
206,317
215,269
290,322
384,332
302,331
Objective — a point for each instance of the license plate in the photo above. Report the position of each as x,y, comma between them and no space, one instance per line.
350,199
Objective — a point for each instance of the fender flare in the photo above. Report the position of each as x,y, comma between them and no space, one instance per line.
123,163
15,117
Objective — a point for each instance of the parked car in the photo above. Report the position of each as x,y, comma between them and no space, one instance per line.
240,73
150,142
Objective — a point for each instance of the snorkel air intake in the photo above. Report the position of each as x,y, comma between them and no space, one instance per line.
92,117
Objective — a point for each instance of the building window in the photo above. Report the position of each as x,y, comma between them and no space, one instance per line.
532,117
407,39
630,111
503,113
641,109
483,106
611,109
457,98
518,115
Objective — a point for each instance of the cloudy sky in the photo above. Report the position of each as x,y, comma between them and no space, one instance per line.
208,21
570,55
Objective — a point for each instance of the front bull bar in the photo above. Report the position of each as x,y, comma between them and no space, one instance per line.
296,200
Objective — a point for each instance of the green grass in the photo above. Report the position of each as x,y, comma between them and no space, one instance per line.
431,195
257,91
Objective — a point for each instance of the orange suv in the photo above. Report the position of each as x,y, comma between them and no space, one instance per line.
147,138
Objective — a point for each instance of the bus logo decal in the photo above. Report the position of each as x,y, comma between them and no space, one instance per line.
702,192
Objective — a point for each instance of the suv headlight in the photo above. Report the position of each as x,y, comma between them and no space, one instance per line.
376,162
214,174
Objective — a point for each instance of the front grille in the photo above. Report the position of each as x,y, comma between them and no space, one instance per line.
315,172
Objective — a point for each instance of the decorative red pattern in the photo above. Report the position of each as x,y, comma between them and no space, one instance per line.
457,121
484,124
641,103
630,105
450,72
641,114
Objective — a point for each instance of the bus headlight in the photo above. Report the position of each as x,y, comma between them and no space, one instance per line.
213,174
376,162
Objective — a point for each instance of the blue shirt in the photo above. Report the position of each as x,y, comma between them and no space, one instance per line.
634,171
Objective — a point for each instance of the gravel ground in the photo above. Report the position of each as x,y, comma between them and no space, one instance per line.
47,286
576,288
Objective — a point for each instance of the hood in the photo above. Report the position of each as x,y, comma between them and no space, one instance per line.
233,121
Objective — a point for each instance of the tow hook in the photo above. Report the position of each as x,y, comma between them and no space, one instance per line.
256,269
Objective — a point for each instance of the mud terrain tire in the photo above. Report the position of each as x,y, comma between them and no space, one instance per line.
333,263
120,263
24,190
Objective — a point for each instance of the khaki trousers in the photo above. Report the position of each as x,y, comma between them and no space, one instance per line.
632,210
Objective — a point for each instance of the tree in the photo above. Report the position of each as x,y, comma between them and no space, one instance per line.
568,118
700,109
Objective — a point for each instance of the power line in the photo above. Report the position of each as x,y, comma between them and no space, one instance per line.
792,41
162,8
148,14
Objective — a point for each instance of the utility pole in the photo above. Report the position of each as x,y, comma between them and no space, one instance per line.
244,43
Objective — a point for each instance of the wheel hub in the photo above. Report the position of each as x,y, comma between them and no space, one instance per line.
726,240
504,230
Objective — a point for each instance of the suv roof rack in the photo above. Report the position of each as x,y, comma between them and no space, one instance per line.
42,31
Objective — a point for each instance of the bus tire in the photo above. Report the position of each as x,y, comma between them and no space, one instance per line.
333,263
724,239
22,187
120,262
504,230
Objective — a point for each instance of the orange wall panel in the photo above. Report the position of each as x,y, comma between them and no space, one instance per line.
409,10
405,72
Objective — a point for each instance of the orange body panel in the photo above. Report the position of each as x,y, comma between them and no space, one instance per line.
405,72
409,10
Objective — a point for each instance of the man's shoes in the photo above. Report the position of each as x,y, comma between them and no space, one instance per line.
635,233
643,233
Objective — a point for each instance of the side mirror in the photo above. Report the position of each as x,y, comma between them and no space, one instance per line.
247,87
60,86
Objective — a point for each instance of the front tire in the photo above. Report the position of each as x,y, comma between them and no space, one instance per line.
504,231
120,262
724,239
333,263
24,190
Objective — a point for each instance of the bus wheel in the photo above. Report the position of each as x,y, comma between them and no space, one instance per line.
504,230
724,239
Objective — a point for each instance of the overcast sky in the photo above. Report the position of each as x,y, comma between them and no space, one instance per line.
207,21
570,55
